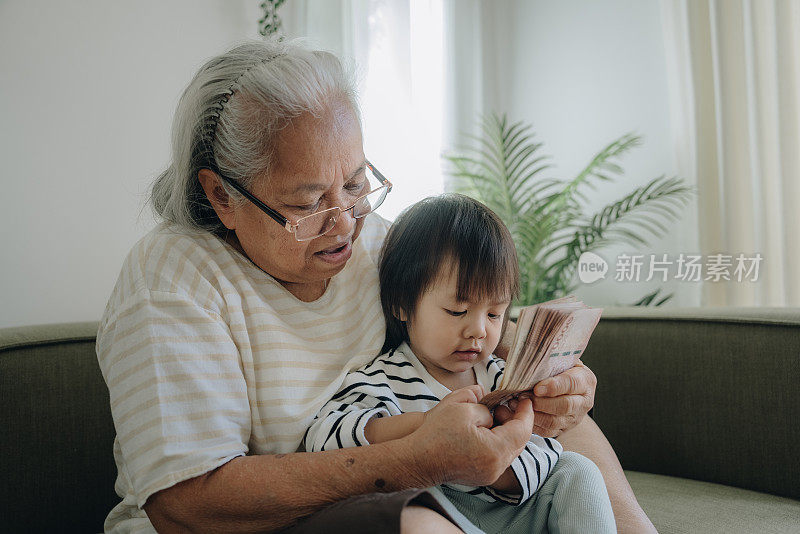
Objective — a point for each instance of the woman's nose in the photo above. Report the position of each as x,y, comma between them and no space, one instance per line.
344,223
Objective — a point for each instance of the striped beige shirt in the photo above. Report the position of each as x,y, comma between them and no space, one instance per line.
208,358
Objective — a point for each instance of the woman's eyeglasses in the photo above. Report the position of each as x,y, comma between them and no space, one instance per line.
320,223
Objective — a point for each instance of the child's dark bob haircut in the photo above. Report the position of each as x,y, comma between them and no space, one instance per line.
451,232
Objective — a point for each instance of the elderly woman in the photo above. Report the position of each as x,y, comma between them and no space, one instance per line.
238,316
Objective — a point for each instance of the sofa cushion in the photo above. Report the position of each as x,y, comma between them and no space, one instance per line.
683,506
707,394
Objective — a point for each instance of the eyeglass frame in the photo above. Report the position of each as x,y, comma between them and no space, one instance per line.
286,223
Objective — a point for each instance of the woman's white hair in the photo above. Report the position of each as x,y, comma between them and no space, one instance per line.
229,117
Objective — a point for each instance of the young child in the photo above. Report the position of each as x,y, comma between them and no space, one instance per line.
448,272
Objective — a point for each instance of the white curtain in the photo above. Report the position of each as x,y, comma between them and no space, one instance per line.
735,87
396,47
476,67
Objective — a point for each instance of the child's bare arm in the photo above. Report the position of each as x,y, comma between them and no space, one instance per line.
381,429
507,483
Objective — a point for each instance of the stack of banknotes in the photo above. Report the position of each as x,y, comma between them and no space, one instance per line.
550,339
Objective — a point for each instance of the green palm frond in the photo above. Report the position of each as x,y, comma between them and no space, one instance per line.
620,221
650,299
506,171
603,166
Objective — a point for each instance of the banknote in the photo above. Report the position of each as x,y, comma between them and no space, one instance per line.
550,339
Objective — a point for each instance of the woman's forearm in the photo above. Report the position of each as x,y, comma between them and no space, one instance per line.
382,429
587,439
263,493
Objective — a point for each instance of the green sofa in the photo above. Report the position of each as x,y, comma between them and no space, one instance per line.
701,406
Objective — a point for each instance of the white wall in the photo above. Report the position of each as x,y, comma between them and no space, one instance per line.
88,93
89,89
584,73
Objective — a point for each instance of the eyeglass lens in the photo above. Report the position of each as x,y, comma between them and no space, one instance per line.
323,222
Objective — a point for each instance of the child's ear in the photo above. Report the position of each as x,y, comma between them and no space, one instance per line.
400,314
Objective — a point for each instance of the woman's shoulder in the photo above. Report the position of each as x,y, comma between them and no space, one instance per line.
170,260
373,234
162,258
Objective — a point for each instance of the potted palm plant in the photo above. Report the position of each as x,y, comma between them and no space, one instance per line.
505,171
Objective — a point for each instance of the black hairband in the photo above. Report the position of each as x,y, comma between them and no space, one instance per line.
211,125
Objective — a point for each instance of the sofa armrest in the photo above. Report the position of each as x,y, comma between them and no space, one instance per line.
57,441
708,393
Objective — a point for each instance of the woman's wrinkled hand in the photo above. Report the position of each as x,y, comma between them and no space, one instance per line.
559,402
458,442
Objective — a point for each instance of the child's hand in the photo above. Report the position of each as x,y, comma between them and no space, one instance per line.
505,412
470,394
466,394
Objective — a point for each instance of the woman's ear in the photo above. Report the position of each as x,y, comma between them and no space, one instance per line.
400,314
219,198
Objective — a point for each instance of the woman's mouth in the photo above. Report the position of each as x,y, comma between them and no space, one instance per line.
336,255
